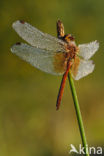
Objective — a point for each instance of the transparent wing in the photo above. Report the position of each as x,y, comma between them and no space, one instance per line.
37,38
82,68
39,58
88,50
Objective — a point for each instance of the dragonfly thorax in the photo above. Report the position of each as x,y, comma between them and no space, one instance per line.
71,47
71,51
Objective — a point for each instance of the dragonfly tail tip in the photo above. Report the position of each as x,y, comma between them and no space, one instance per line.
57,108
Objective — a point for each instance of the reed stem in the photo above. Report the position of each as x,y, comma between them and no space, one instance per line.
78,113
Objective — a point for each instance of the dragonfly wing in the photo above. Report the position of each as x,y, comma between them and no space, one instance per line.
88,50
39,58
37,38
81,68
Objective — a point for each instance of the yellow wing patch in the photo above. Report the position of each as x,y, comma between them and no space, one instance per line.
75,65
60,62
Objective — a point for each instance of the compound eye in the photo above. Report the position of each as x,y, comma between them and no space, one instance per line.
72,38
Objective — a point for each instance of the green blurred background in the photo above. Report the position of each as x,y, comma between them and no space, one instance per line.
29,122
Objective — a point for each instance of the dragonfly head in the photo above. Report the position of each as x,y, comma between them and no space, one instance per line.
69,38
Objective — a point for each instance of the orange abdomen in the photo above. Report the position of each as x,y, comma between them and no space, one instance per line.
61,90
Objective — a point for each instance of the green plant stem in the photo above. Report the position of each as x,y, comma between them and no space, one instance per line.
78,113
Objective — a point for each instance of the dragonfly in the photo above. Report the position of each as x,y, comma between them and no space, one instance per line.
53,55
